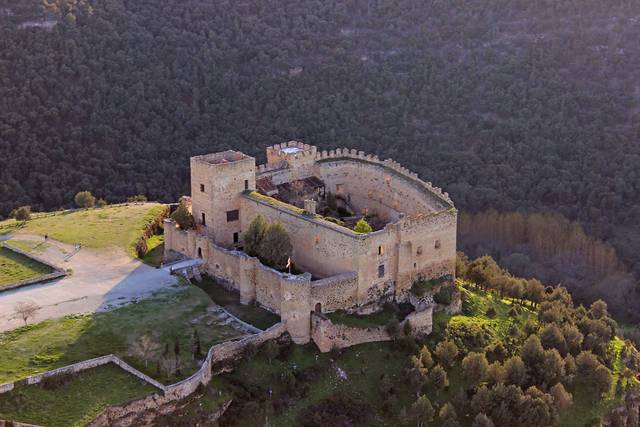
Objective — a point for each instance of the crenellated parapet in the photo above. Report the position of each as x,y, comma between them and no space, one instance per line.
346,153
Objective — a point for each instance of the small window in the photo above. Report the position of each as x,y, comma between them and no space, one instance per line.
415,265
380,250
381,271
199,252
204,219
419,251
233,215
246,184
236,237
437,244
202,188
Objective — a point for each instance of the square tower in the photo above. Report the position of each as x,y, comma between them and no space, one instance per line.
217,181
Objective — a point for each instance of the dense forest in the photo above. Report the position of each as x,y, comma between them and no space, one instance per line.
510,105
555,250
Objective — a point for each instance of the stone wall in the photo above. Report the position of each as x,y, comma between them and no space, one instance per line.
327,335
128,413
82,366
335,293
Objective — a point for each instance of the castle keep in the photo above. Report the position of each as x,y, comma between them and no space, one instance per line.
318,196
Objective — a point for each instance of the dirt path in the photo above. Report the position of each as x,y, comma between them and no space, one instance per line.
100,280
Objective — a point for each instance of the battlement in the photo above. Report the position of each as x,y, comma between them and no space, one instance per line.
346,154
287,155
222,157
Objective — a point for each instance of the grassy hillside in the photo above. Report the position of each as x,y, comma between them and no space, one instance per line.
97,228
74,400
50,344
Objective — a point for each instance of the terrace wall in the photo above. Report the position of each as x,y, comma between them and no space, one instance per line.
130,412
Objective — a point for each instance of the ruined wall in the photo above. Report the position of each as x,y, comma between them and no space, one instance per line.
327,335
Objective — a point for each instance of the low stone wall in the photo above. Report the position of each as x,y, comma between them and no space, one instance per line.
57,271
161,402
328,335
69,369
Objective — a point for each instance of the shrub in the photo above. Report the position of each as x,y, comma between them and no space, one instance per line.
84,199
393,328
252,238
23,213
444,295
491,313
101,203
275,248
446,352
362,227
183,217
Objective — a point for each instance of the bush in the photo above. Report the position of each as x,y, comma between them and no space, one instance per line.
362,227
444,295
84,199
183,217
491,313
23,213
275,248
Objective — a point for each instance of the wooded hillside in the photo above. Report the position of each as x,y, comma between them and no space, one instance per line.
507,104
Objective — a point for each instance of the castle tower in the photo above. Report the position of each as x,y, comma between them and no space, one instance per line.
217,181
299,158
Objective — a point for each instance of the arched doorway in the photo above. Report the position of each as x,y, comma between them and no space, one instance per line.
199,252
318,308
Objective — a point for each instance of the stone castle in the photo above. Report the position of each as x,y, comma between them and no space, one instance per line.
318,196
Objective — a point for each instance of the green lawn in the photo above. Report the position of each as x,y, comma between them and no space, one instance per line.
15,267
98,228
254,315
53,343
155,250
75,403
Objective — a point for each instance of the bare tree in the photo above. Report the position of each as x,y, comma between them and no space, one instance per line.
25,310
145,348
